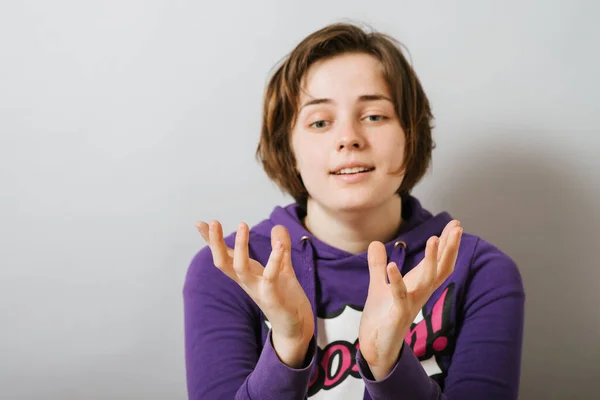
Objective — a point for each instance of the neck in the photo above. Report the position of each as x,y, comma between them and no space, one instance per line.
353,231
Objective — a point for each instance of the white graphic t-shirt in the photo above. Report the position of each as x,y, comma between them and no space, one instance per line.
341,296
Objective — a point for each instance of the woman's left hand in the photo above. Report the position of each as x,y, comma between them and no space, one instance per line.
391,307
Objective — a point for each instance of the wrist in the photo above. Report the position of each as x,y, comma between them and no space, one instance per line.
291,351
385,367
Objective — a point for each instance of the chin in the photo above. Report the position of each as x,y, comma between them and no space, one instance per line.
353,198
354,202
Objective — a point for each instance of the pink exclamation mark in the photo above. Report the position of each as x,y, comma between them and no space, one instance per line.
441,342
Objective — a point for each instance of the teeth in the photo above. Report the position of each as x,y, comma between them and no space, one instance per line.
354,170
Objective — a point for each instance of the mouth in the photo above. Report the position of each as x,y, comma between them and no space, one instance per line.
353,171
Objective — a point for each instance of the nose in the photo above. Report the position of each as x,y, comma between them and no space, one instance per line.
350,138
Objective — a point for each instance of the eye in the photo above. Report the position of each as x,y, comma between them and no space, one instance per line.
376,118
319,124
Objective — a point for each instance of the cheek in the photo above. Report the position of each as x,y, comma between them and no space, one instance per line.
311,165
397,154
297,151
390,151
300,153
309,151
390,146
307,159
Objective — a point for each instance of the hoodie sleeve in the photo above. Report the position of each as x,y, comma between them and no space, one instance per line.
487,358
224,358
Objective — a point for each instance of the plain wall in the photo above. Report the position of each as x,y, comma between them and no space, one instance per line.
124,122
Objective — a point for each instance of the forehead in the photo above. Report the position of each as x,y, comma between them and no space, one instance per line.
344,76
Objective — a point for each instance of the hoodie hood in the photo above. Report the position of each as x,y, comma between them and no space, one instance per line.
418,226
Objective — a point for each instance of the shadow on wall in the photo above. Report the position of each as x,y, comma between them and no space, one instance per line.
545,217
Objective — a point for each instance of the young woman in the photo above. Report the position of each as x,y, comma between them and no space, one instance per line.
354,291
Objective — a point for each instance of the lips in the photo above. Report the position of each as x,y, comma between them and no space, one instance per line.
355,170
352,168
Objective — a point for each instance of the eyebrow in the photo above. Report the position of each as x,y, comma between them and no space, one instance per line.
363,98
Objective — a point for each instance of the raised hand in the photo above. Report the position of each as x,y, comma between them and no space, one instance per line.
392,307
274,288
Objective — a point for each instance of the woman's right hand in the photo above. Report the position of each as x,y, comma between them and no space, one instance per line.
274,288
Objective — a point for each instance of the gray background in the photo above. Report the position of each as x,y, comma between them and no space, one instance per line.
124,122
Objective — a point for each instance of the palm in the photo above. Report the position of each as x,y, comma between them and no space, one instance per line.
286,295
391,307
380,317
378,323
274,287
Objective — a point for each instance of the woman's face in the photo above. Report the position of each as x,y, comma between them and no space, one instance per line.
348,142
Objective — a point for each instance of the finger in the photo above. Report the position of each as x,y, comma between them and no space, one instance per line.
397,285
429,264
273,268
241,259
444,237
448,259
377,259
203,229
221,258
286,263
280,234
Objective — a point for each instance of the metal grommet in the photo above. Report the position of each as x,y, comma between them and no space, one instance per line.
400,243
303,238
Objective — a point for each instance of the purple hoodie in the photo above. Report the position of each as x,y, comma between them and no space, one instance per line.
465,343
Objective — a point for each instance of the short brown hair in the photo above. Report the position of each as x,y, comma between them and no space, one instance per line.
282,94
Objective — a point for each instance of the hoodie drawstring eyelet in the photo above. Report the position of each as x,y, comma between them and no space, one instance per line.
308,253
398,254
400,243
